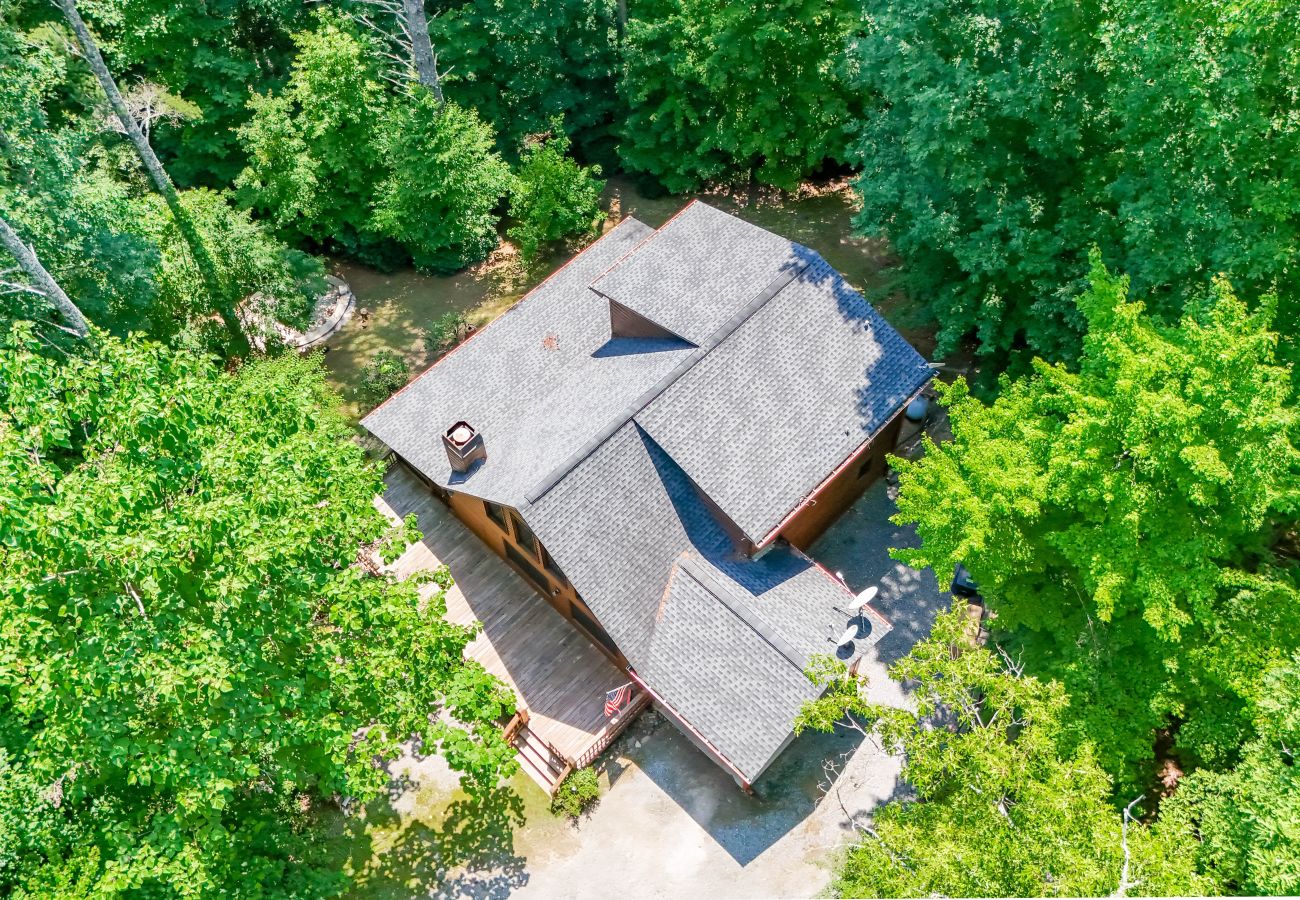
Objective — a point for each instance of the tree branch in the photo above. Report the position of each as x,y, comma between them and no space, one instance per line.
1125,884
42,280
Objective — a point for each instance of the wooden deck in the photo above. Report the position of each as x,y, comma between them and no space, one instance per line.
557,674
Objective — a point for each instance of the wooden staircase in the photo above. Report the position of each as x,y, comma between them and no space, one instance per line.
540,760
545,764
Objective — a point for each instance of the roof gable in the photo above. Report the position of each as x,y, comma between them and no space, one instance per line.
707,627
697,270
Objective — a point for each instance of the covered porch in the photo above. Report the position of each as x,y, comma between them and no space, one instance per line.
558,676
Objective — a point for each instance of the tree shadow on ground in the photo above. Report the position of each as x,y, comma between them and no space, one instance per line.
465,849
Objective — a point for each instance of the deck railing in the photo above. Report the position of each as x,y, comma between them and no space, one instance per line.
512,729
606,735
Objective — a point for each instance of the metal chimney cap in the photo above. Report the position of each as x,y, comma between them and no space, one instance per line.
461,433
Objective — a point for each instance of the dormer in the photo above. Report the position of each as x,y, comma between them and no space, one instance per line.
627,323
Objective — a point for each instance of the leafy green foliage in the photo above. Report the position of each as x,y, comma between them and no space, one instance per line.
283,282
576,794
76,218
384,374
730,91
1002,138
999,811
336,160
313,163
191,655
1249,817
110,243
553,197
521,63
446,332
444,181
213,54
1118,518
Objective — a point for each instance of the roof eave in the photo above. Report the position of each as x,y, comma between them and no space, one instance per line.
775,532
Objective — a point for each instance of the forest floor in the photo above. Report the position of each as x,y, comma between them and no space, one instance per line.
670,821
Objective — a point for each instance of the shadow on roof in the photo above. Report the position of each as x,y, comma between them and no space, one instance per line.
637,346
708,536
882,391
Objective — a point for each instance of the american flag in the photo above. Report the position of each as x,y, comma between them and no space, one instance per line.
616,699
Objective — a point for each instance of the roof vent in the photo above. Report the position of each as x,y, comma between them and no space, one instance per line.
464,446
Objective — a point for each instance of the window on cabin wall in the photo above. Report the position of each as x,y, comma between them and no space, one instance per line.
497,514
549,564
867,464
524,536
530,571
592,627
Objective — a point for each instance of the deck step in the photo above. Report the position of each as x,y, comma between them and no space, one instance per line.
538,760
527,742
545,780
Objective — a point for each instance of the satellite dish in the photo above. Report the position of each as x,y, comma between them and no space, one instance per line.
866,597
849,636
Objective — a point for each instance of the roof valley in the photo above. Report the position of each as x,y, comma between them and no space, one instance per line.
746,312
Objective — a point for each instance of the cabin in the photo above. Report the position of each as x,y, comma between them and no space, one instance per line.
653,438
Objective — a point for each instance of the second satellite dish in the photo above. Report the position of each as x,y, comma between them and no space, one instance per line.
865,597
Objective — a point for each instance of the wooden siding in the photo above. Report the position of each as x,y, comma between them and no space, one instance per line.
624,323
838,494
557,674
562,595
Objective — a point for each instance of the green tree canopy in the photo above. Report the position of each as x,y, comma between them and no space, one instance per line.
521,63
192,651
999,811
729,91
1119,518
313,162
105,238
338,160
1248,817
443,185
1001,138
553,197
213,54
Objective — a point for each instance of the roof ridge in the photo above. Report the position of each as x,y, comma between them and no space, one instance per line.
641,243
741,609
724,331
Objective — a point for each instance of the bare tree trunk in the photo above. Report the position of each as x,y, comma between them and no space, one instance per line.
426,61
1125,883
42,280
158,175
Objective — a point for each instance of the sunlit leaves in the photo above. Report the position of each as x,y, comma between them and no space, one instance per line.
998,809
1119,516
185,634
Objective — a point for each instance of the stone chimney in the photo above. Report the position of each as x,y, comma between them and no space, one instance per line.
464,446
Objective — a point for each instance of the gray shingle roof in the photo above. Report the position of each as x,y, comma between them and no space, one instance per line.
537,383
698,270
759,422
723,638
606,445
